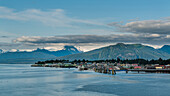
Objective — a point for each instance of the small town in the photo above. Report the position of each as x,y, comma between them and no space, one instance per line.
106,66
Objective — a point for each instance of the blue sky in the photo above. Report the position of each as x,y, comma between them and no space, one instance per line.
92,9
25,22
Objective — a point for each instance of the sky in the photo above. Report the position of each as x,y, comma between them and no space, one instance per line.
86,24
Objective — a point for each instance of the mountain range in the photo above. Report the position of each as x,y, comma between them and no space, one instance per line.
123,51
21,57
120,50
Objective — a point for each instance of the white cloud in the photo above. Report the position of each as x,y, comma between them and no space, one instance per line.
147,26
167,36
52,17
154,35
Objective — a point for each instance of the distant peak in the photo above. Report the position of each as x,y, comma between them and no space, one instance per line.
128,45
166,46
39,49
1,51
69,46
120,44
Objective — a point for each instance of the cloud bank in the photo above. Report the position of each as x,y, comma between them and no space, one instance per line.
146,26
154,39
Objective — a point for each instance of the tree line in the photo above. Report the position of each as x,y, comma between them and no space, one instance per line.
118,60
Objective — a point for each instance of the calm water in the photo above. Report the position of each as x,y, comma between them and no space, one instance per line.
23,80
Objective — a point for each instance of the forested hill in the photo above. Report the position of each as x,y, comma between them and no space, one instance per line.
123,51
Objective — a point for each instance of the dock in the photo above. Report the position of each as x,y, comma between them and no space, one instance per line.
105,71
149,70
54,65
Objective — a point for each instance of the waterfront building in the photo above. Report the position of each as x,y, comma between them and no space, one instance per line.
137,67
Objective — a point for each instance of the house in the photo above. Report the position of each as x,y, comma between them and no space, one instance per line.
160,66
134,65
150,67
168,67
117,68
137,67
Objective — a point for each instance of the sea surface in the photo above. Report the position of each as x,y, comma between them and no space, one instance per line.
23,80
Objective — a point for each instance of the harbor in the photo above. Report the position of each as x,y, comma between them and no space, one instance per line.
149,70
109,68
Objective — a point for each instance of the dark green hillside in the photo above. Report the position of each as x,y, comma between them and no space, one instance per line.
123,51
165,48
